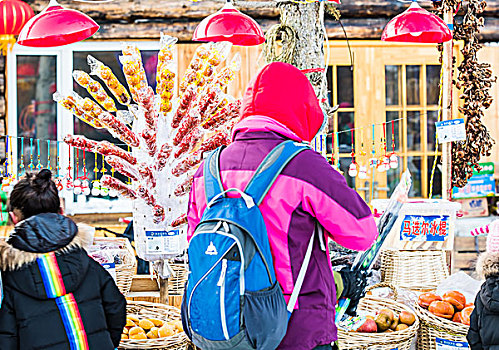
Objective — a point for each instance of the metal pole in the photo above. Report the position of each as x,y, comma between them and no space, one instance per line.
447,106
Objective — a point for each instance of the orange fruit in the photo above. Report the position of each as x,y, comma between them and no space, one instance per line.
134,318
146,324
154,330
166,331
152,335
125,330
156,322
124,336
135,330
129,323
401,327
178,325
138,336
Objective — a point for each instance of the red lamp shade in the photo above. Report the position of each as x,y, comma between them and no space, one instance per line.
57,26
14,14
416,25
229,24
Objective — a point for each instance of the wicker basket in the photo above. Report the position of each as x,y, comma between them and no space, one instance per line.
126,270
162,312
414,270
433,327
177,281
400,340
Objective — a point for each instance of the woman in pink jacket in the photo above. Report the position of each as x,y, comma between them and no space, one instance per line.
280,104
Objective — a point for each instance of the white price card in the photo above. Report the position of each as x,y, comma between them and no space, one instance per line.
111,268
451,130
162,242
444,344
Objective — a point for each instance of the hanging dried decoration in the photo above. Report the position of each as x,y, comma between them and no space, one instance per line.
475,79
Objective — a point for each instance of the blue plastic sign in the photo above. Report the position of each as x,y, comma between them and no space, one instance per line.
451,130
162,242
422,228
444,344
477,186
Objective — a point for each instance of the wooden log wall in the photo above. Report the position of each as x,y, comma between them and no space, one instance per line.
144,19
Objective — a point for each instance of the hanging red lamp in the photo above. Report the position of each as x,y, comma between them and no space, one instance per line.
416,25
14,15
229,24
57,26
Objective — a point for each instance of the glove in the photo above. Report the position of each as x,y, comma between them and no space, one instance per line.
354,287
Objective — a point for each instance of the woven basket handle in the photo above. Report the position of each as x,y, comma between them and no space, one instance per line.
385,285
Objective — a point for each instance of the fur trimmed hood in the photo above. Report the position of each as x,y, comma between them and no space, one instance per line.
12,258
488,265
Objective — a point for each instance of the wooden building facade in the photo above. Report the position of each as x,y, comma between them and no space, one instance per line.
373,83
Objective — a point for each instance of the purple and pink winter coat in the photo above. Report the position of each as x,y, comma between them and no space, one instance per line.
280,104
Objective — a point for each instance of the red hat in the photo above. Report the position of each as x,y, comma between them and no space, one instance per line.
280,91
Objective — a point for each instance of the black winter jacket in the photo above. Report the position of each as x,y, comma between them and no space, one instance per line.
484,328
28,318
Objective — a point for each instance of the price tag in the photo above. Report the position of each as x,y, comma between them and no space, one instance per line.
111,268
444,344
451,130
162,242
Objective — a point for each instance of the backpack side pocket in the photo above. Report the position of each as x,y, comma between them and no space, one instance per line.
265,317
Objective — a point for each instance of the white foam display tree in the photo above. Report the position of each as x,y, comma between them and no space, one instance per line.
167,133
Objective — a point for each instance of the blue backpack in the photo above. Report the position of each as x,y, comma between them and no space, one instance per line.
232,299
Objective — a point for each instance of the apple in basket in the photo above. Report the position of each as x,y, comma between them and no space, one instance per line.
368,327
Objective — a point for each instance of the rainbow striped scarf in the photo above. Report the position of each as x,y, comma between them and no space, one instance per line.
68,308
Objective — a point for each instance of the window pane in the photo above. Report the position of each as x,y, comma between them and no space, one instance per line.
393,178
344,81
344,165
412,80
413,131
392,85
36,110
437,180
432,118
330,87
432,84
110,58
345,123
393,127
414,166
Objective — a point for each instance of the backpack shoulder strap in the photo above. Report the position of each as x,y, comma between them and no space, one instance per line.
303,270
271,167
211,172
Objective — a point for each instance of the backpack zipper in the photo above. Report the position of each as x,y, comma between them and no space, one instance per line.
221,284
203,277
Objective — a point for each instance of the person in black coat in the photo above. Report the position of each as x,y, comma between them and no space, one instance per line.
44,243
484,322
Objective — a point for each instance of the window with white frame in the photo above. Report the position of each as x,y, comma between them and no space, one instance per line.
34,74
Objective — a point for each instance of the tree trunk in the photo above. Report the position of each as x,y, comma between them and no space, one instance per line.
307,21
